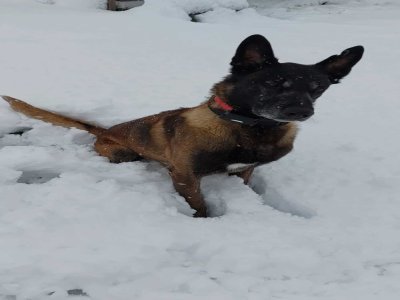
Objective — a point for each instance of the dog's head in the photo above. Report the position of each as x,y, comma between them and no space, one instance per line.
264,87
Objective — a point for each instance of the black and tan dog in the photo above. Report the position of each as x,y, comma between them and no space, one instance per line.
247,122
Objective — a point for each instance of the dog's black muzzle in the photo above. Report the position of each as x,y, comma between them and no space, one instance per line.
297,113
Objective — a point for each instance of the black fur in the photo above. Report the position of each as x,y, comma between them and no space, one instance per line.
127,155
171,123
263,87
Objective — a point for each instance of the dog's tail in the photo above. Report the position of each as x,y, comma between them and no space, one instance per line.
50,117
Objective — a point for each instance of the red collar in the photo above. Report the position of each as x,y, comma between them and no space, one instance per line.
225,106
224,111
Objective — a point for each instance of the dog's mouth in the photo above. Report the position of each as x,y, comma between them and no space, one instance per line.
288,114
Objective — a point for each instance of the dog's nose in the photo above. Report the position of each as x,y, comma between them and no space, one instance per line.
296,113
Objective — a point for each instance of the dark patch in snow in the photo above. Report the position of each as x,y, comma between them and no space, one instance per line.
77,292
20,130
384,268
37,176
194,18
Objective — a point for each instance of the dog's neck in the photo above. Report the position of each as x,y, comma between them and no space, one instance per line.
227,112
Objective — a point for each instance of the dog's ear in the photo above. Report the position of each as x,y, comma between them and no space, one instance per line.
254,53
338,66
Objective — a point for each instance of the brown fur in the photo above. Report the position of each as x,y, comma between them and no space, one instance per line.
56,119
190,142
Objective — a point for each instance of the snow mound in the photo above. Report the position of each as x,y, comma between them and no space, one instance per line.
184,8
304,3
195,6
76,4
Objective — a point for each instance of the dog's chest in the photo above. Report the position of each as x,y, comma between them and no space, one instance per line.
247,149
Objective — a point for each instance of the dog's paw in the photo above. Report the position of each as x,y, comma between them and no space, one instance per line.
201,213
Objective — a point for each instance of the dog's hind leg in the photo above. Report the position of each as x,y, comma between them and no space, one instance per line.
115,152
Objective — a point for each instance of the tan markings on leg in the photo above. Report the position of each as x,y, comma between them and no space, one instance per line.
188,186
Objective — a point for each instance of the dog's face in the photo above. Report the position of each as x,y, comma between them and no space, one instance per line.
282,91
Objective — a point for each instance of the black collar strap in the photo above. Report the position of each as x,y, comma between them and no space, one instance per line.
226,112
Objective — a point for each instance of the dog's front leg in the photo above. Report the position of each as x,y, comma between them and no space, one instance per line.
245,175
188,186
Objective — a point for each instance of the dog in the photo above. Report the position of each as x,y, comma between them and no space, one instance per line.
248,121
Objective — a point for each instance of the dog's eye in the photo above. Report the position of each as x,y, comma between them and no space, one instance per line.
314,85
287,84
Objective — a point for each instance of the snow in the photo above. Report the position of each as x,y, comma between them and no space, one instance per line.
359,11
321,223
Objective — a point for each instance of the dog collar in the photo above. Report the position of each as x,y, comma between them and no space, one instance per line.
225,106
226,112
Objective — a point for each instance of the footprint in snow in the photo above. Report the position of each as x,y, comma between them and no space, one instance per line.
37,176
14,137
20,130
273,198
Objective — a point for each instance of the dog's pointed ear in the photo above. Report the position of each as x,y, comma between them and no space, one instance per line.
254,53
338,66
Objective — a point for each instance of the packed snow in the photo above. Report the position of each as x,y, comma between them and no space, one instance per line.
321,223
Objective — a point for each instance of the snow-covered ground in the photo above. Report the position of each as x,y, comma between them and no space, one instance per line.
325,221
